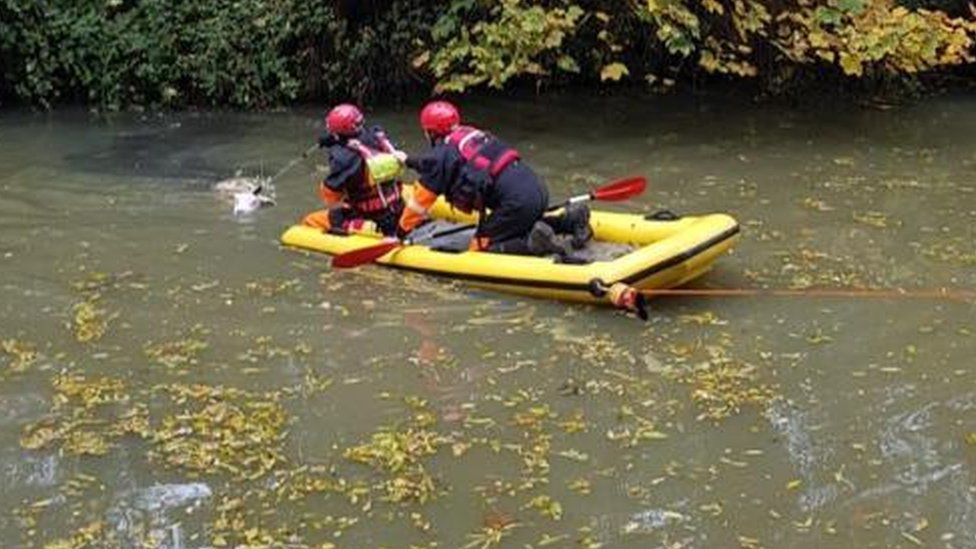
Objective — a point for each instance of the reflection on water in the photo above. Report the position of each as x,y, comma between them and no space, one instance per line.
170,376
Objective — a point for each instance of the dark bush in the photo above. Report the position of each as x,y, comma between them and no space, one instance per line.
236,53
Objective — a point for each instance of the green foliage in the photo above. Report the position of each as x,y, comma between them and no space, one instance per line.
154,52
237,53
115,54
515,40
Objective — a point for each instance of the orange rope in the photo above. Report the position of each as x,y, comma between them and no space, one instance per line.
938,293
630,299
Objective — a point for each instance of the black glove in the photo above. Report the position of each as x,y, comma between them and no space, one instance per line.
326,139
401,234
414,163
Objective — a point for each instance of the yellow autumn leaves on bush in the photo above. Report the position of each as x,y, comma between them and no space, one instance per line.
619,40
879,34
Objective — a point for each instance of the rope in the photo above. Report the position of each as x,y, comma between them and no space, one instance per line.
292,164
949,294
628,298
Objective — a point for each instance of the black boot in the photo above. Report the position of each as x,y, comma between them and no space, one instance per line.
542,241
578,222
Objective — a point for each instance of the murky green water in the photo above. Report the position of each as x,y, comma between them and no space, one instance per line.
227,386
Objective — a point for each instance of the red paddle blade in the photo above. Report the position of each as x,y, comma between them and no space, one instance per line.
362,256
622,189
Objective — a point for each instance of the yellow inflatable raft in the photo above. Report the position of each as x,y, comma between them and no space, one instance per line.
665,253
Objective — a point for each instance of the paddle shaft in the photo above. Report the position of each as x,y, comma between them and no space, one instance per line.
462,228
362,256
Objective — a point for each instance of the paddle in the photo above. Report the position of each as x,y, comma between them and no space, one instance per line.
618,190
615,191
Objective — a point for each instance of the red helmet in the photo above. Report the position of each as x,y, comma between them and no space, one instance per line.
344,119
439,118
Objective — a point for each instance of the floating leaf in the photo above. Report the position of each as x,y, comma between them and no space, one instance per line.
176,353
22,354
222,429
580,486
89,322
574,455
875,219
546,506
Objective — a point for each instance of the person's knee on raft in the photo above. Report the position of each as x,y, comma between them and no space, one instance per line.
340,219
318,219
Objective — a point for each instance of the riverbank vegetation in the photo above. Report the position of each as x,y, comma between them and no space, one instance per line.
263,53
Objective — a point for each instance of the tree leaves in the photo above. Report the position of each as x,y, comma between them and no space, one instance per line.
853,7
856,37
256,54
614,72
518,40
851,64
860,34
567,63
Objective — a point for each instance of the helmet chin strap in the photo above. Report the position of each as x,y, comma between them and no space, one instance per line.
341,138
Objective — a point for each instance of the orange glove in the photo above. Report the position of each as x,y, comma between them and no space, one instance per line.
416,208
328,196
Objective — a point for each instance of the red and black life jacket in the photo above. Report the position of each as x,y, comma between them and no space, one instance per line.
371,196
482,150
486,157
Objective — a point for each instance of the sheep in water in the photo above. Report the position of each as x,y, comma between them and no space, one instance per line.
248,194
